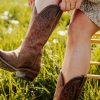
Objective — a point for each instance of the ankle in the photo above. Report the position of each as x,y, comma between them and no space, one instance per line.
69,76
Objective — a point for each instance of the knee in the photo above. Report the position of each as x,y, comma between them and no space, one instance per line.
81,28
76,34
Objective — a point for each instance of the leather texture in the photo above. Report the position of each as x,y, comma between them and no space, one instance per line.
70,90
27,58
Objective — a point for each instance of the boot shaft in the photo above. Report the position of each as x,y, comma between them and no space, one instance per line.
42,26
39,32
70,90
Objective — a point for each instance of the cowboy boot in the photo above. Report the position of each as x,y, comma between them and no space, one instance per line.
26,60
70,90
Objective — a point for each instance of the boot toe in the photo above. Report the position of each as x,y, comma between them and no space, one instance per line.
6,61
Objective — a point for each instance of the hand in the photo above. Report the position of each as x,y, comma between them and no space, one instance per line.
67,5
31,3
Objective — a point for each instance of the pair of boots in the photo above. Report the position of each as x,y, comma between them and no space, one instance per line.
27,58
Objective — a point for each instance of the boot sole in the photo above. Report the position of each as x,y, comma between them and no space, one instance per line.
22,73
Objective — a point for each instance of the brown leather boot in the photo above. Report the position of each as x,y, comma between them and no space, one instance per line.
70,90
26,60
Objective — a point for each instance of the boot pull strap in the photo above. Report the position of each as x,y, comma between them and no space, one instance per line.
62,78
60,1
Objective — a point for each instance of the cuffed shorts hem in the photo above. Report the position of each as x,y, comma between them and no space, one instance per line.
91,8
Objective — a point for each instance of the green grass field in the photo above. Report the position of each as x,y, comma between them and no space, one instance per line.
14,20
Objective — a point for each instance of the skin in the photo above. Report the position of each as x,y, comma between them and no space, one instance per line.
78,52
65,5
31,3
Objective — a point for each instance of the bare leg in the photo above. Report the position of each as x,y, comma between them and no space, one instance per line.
77,57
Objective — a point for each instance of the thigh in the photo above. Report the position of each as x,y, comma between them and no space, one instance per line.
91,8
81,25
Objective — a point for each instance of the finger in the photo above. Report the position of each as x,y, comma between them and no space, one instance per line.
78,4
73,4
63,5
68,5
31,3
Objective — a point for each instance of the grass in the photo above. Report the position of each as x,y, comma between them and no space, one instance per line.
14,20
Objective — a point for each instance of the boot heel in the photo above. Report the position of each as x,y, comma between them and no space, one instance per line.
29,76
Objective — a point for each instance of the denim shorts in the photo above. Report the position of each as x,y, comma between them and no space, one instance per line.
91,8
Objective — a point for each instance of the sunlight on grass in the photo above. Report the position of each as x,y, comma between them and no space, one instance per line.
14,20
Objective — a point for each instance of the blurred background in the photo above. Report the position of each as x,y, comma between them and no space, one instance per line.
14,20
